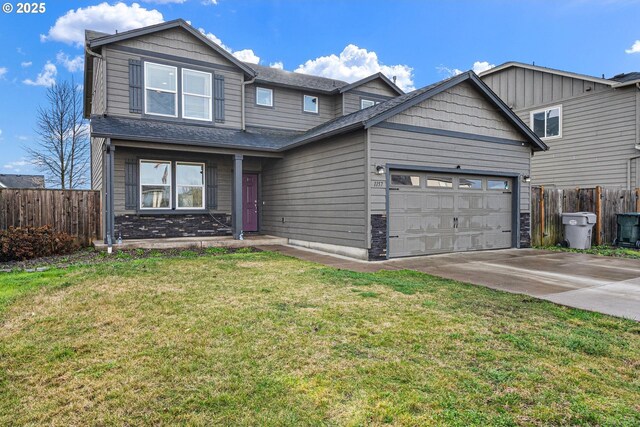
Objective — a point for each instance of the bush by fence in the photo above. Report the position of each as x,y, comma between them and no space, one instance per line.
547,205
74,212
19,244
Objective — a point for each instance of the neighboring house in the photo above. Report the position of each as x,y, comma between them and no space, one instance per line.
591,124
188,141
21,181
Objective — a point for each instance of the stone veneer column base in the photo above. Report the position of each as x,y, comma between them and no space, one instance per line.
378,251
158,226
525,230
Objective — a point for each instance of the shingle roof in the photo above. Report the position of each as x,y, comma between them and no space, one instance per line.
626,77
279,77
21,181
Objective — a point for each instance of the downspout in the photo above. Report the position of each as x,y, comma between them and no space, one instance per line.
243,84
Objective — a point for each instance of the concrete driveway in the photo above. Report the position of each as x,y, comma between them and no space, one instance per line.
603,284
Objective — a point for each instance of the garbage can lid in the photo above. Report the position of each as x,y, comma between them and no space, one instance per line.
589,216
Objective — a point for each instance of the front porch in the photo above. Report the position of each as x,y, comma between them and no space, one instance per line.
195,242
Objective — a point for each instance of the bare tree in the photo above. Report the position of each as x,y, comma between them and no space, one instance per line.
62,152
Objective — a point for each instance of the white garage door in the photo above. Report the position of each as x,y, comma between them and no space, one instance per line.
433,213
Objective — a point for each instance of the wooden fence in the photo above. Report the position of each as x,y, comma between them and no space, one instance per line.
76,212
547,205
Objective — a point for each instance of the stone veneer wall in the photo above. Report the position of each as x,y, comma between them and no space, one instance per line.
186,225
378,251
525,230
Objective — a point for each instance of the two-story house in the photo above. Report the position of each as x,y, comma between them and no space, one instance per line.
186,140
591,124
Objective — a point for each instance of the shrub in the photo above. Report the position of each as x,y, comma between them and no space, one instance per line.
19,244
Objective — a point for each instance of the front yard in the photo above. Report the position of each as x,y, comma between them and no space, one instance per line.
262,339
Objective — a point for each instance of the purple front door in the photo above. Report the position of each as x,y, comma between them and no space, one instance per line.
249,202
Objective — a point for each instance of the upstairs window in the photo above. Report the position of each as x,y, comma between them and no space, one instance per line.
161,94
366,103
310,104
196,95
547,123
264,97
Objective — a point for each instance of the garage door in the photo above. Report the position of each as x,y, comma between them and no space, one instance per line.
437,213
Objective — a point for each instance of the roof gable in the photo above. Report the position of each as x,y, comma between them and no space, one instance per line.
278,77
511,64
370,78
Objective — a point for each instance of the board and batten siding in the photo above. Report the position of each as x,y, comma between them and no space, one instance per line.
224,166
375,90
525,88
287,111
598,140
459,109
178,43
317,193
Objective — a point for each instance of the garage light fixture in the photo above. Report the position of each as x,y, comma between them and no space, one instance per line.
380,169
526,178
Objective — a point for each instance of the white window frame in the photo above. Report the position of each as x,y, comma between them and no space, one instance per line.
140,184
545,110
174,92
184,115
258,88
362,101
203,186
317,104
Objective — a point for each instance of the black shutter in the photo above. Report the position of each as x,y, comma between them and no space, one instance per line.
218,97
131,184
135,86
212,187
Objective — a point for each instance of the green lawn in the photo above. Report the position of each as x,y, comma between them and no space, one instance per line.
262,339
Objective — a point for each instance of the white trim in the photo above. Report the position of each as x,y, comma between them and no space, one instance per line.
203,186
544,110
258,88
317,104
184,92
174,92
140,183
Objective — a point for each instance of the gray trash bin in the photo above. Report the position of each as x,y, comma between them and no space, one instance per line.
577,229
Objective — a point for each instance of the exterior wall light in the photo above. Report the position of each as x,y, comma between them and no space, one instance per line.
380,169
526,178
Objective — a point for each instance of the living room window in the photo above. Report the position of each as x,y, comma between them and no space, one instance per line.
547,123
189,185
161,90
155,184
196,95
264,96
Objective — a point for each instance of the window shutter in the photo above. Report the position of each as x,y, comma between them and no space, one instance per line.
135,86
211,187
218,97
131,184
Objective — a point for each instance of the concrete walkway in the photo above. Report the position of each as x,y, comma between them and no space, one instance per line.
603,284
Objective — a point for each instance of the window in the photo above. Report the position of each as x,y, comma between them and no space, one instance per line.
412,180
498,184
440,181
310,104
547,123
189,185
366,103
470,184
196,95
155,184
161,95
264,97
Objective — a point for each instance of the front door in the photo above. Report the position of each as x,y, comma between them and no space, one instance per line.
250,202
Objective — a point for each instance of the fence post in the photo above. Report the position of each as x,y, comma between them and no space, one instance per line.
598,215
542,215
637,199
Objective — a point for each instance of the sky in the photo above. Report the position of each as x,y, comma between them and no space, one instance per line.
418,41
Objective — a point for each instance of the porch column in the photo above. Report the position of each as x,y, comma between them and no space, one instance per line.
236,212
108,174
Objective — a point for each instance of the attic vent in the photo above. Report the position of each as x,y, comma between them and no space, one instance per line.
394,79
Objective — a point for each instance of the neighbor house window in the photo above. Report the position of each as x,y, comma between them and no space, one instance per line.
189,185
498,184
470,184
264,97
161,94
412,180
310,104
366,103
440,182
155,184
547,123
196,95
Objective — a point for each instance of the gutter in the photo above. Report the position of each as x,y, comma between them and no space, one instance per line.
242,103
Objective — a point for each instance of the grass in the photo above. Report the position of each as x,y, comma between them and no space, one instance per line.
262,339
604,250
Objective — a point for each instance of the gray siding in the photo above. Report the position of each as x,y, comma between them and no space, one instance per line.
96,163
224,173
174,42
523,88
98,97
376,90
287,112
319,190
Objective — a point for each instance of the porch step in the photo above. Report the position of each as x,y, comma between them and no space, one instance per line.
194,242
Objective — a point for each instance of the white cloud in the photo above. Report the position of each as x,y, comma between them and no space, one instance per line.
246,55
26,64
355,63
477,67
3,71
104,17
72,65
635,48
164,1
17,165
47,77
480,66
21,137
278,64
210,2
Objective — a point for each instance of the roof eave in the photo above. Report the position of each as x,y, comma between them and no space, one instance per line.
370,78
286,86
340,131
